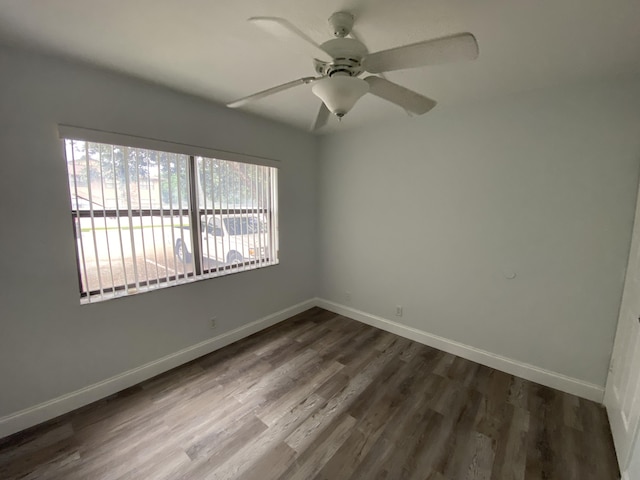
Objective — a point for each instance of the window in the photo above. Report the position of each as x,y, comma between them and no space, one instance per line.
145,219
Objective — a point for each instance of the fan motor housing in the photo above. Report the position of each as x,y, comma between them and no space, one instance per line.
347,54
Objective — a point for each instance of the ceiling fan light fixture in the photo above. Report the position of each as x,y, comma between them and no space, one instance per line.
340,92
340,61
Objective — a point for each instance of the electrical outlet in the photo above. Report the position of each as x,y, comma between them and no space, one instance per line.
213,322
398,310
347,296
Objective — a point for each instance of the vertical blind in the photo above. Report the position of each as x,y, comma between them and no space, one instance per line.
145,219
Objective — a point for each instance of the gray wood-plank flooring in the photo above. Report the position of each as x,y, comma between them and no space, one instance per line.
320,396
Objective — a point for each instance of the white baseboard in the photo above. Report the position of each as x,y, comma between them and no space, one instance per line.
514,367
46,411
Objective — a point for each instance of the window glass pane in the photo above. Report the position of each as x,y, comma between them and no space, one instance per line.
115,177
234,203
119,253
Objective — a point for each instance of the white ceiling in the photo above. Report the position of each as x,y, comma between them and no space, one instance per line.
207,48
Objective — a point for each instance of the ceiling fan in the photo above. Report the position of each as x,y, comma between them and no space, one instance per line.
340,62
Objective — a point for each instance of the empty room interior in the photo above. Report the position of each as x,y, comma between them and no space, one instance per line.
320,240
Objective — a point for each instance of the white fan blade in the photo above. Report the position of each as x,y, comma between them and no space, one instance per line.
355,36
284,30
322,118
462,46
269,91
403,97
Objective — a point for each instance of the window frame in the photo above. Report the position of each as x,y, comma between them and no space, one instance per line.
195,212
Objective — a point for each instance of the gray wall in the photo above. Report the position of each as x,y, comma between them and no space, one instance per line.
50,344
432,212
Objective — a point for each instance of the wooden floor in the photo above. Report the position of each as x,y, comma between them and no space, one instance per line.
320,396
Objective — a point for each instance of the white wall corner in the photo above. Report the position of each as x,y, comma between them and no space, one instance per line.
535,374
42,412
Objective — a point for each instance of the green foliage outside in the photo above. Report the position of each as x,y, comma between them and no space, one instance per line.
109,175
